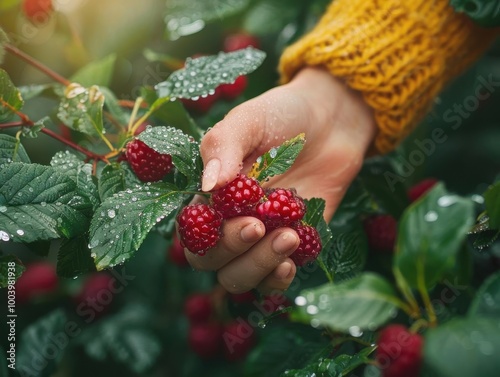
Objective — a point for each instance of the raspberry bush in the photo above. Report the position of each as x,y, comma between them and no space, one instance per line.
99,164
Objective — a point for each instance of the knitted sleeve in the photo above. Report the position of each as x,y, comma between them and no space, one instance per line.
398,53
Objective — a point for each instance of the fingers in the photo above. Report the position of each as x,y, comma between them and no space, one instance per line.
280,279
252,267
239,235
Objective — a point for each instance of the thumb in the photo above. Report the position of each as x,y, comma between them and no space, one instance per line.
226,146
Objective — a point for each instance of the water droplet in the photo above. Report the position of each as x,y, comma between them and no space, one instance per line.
312,310
262,324
3,209
300,301
4,236
355,331
431,216
273,152
446,201
20,232
111,213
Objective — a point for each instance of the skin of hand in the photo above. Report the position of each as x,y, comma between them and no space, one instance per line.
339,128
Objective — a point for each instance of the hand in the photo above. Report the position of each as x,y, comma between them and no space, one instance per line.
339,128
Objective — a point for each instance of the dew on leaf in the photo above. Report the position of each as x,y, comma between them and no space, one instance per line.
446,201
4,236
20,232
3,209
300,301
431,216
355,331
312,309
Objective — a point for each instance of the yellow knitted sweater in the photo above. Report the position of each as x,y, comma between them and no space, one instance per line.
398,53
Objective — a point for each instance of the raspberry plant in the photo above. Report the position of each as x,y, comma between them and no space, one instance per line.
85,212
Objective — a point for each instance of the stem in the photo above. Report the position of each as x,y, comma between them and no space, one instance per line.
407,293
11,125
35,63
422,289
70,144
130,104
131,126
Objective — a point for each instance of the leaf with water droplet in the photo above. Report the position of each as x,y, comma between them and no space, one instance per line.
12,150
486,302
278,160
73,257
6,262
430,236
132,222
211,71
10,97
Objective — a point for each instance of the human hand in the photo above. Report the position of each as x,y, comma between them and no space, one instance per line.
338,127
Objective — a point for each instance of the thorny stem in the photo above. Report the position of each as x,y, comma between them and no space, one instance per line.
38,65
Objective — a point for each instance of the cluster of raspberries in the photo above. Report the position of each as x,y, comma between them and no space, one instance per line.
200,224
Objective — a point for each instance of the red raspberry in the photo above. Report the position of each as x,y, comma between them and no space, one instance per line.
199,227
309,247
202,105
399,352
96,295
239,339
38,279
147,164
37,11
381,231
198,308
176,253
205,339
234,90
418,190
238,198
283,207
236,42
242,298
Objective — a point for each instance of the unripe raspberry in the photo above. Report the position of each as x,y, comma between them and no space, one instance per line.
238,198
309,247
147,164
199,227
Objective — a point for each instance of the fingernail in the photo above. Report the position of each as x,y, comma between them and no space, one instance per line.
251,232
210,174
284,242
283,271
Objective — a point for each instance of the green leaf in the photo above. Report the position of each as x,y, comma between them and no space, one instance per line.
81,109
98,72
186,17
111,181
346,256
80,172
269,17
201,76
39,340
6,5
4,371
430,235
463,348
278,160
39,203
31,91
481,235
492,203
184,151
73,258
364,302
11,269
10,97
11,150
487,299
113,106
122,222
314,217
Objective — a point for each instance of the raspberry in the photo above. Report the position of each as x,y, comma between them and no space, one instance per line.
232,91
202,105
399,352
176,253
239,339
242,298
199,227
96,295
381,232
37,11
198,308
309,247
238,198
38,279
205,339
283,207
147,164
418,190
238,41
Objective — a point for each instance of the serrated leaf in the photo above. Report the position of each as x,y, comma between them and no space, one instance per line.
98,72
186,17
314,217
430,234
73,258
78,171
481,235
11,268
81,109
10,97
364,302
184,151
486,302
123,221
201,76
462,347
278,160
111,181
39,203
346,256
38,340
33,131
11,150
492,204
